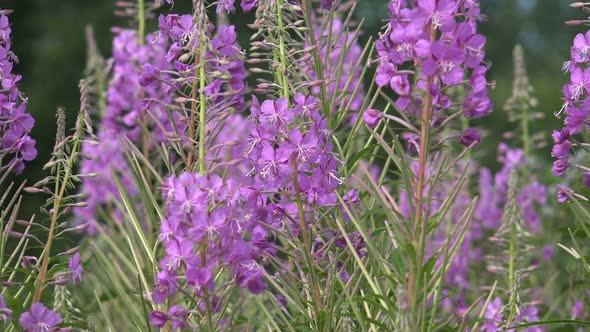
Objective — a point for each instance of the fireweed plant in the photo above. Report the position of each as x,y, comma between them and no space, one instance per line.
315,179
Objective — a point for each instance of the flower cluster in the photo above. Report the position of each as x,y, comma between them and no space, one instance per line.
291,152
576,107
339,52
129,107
40,319
429,46
223,63
495,315
107,156
128,99
488,214
229,5
494,192
577,310
208,228
229,146
255,199
15,123
295,173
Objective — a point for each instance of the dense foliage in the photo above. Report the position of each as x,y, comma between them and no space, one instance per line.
311,180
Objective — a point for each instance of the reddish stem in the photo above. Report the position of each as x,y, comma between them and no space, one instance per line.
419,222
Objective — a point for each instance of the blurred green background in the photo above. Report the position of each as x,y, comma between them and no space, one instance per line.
48,37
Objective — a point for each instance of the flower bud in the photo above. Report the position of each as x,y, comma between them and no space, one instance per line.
28,262
372,117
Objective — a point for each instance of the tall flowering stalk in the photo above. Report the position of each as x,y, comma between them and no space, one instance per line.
65,156
129,110
428,48
50,271
522,102
16,146
24,277
283,213
208,84
326,60
570,149
575,110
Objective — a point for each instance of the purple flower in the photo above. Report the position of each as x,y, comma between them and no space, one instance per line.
445,61
302,146
149,74
478,79
305,105
165,287
372,117
560,166
529,314
204,208
227,5
577,310
15,124
24,146
275,114
158,318
561,136
138,81
494,192
577,108
198,277
327,4
21,122
580,82
493,315
563,193
385,73
474,51
454,55
226,41
477,105
179,317
576,117
400,84
440,12
76,269
581,48
5,312
470,136
548,253
561,150
274,163
338,49
248,5
179,253
39,319
251,277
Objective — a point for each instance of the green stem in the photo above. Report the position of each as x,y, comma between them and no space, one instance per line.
511,266
202,122
525,131
141,21
319,66
282,52
464,126
420,223
60,189
202,103
307,243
